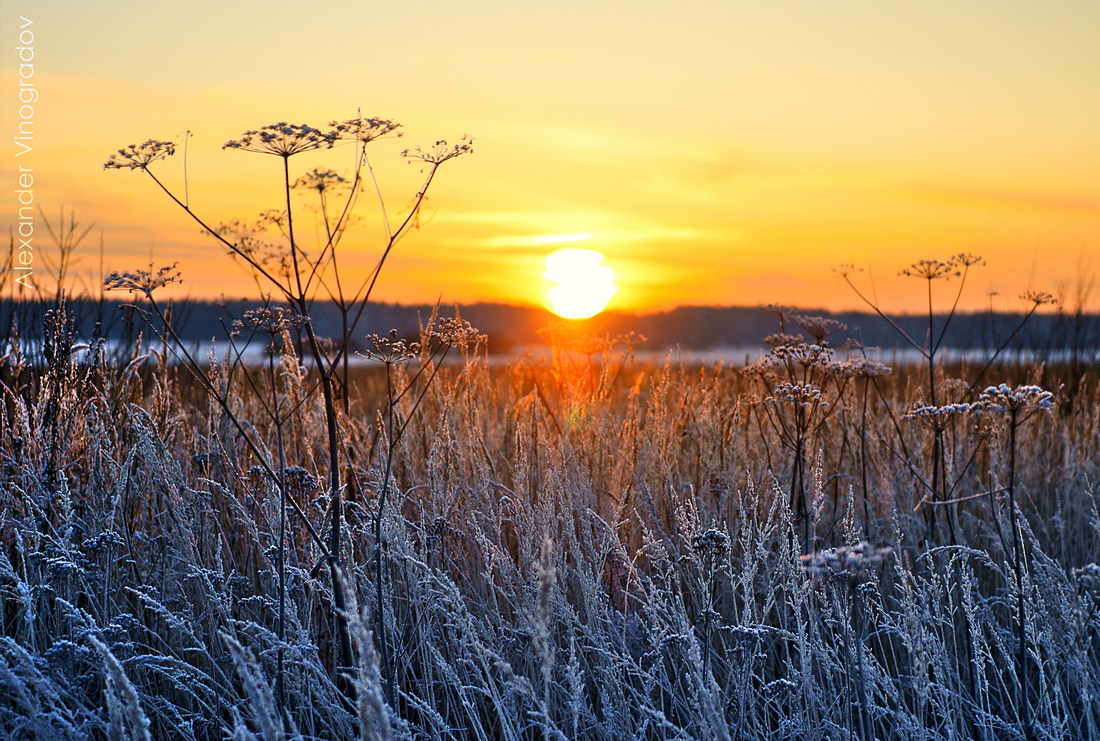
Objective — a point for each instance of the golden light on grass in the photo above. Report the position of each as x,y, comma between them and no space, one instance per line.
582,285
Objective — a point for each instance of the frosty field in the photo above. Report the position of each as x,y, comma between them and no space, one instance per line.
582,547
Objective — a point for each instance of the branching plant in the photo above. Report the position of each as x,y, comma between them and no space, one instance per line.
299,276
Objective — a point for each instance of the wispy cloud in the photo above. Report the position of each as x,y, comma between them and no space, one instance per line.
1068,203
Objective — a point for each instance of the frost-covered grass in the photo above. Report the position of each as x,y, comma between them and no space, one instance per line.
587,552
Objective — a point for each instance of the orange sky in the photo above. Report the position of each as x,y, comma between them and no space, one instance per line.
716,152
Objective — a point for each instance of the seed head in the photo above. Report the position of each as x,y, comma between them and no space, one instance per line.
711,543
283,139
365,129
1088,578
439,152
319,180
805,355
143,281
931,269
939,417
846,561
140,156
819,327
862,367
389,349
1020,399
1038,297
267,320
455,332
802,394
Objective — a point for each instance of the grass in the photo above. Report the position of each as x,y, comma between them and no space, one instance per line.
589,548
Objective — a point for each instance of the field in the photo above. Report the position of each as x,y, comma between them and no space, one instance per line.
582,547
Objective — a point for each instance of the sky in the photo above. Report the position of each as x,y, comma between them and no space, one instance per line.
715,151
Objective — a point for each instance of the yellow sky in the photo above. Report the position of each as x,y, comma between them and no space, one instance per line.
717,152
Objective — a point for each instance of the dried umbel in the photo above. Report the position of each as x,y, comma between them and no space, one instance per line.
938,417
439,152
845,561
283,139
930,270
272,320
1088,579
1004,398
365,129
802,354
140,156
143,281
801,394
320,180
455,332
1039,298
819,327
858,367
933,269
782,339
711,543
390,349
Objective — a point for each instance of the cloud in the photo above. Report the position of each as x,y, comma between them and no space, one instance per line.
1066,203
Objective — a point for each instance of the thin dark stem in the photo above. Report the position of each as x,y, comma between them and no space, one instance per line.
1018,565
280,680
232,247
380,612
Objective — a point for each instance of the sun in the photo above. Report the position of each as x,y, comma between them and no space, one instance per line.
582,285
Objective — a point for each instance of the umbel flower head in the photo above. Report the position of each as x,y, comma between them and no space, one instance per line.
861,367
819,327
805,355
439,152
932,269
1038,298
143,281
713,543
846,561
1088,579
801,394
140,156
390,349
320,180
269,320
365,129
283,139
1020,399
938,417
455,332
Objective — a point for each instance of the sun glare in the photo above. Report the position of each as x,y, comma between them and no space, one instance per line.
582,285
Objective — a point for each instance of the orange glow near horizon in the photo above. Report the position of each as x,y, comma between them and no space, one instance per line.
765,146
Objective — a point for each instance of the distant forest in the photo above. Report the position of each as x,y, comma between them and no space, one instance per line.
511,328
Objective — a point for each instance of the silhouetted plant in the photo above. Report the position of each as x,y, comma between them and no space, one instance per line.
298,276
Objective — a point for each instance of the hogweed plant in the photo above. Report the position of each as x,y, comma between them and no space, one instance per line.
404,395
842,572
930,349
297,277
796,402
1018,405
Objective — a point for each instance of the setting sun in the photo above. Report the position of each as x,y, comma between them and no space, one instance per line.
582,285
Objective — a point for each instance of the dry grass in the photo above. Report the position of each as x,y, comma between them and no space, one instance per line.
574,551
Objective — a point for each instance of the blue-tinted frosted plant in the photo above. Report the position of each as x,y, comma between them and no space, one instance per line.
1019,404
796,404
439,338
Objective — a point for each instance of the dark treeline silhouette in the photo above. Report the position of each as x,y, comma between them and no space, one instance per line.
512,327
